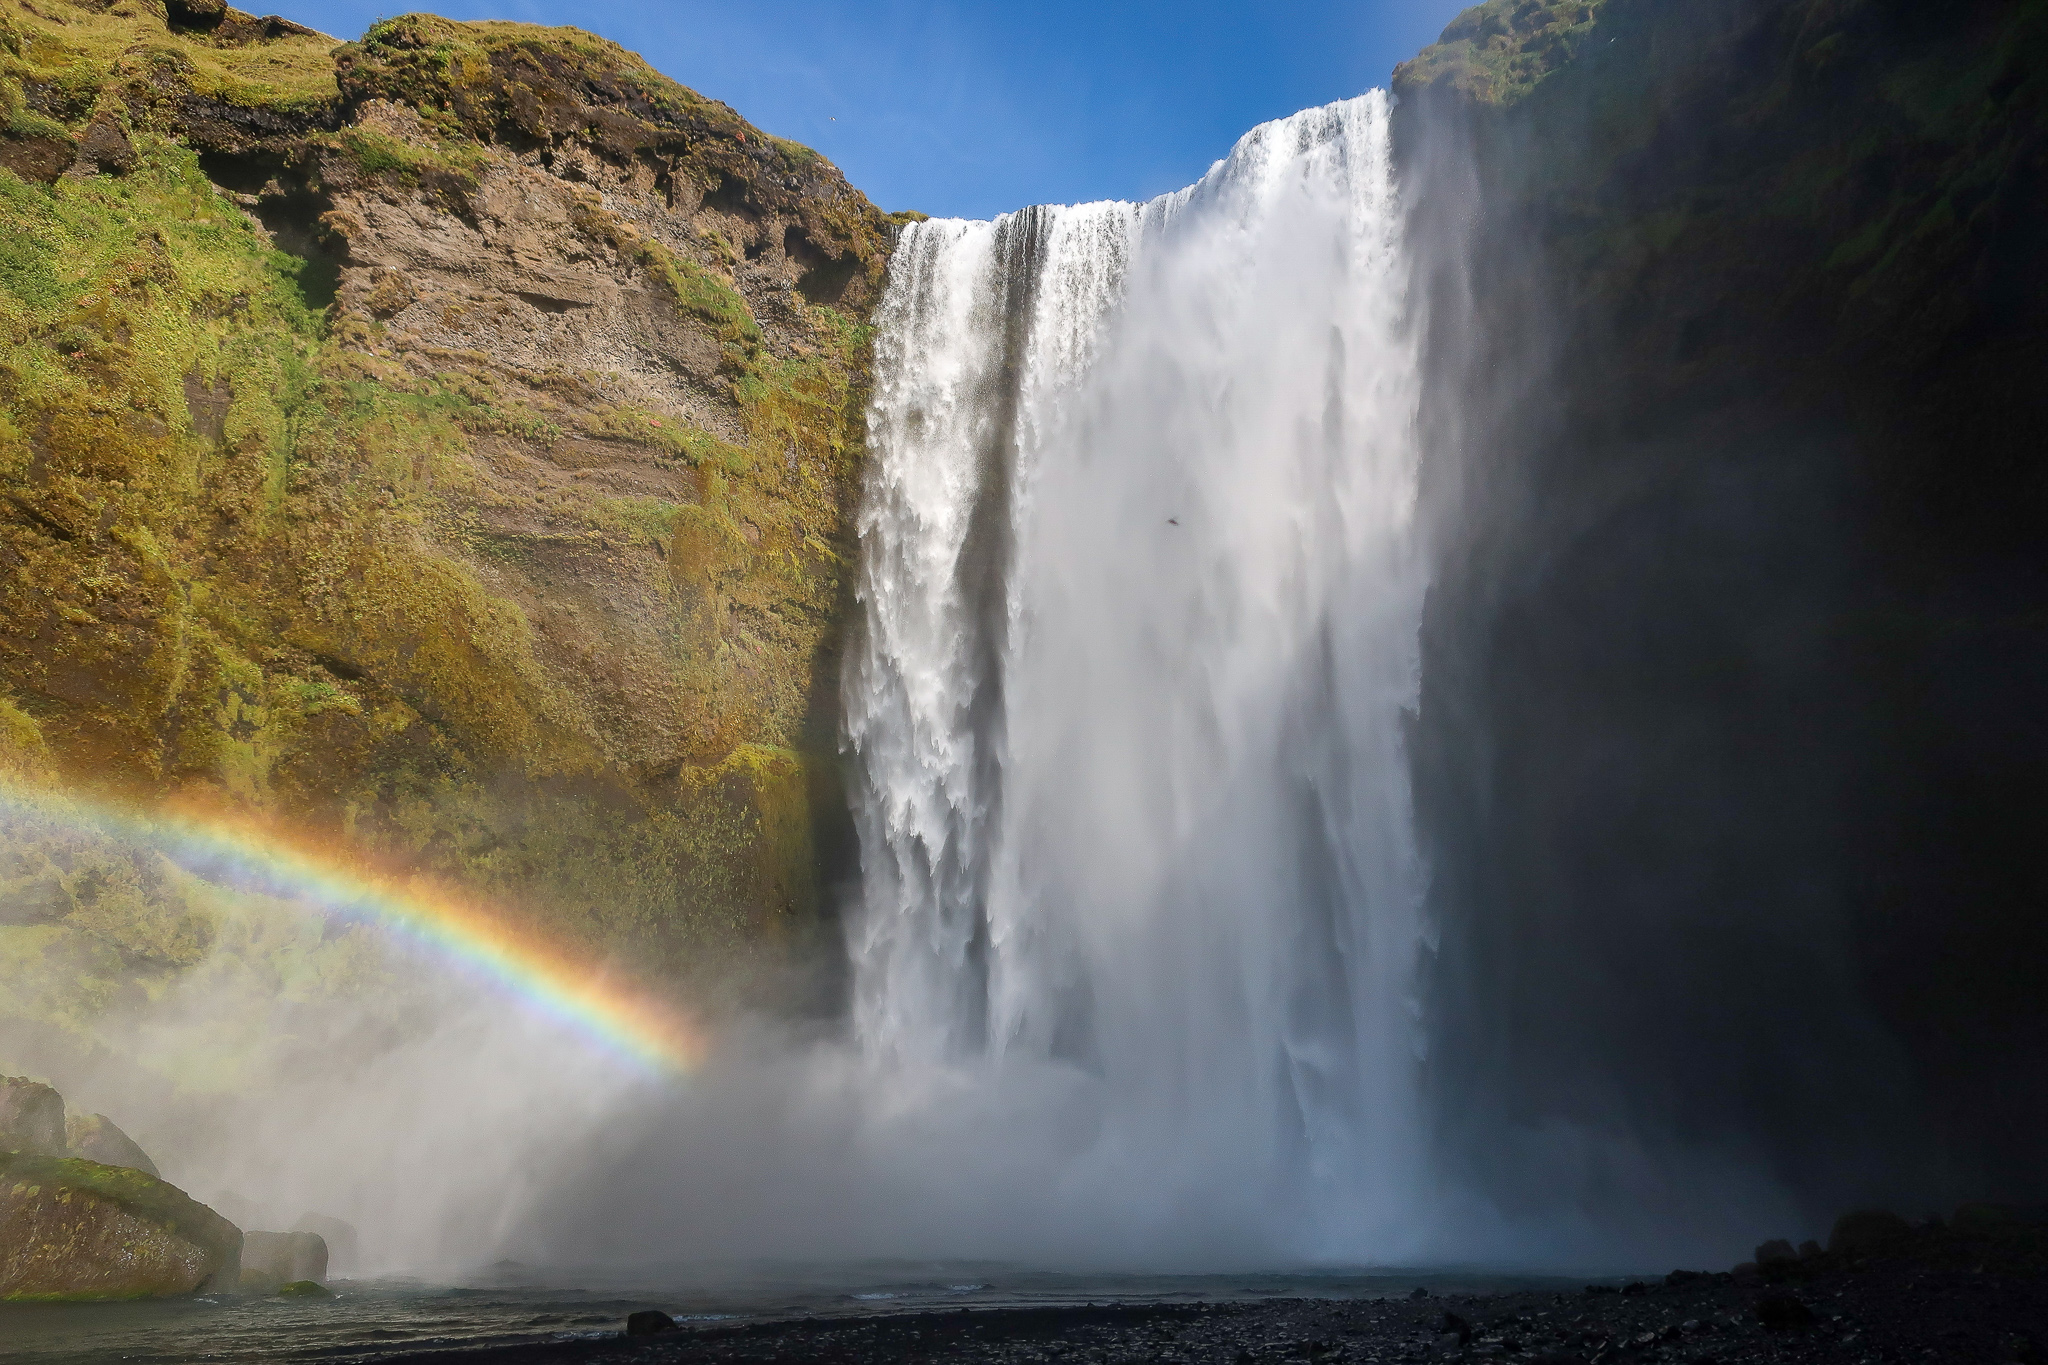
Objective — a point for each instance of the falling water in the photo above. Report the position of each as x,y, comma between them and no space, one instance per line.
1141,590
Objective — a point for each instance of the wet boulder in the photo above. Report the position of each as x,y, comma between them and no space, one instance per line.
95,1137
72,1229
1867,1230
344,1246
649,1321
1775,1252
31,1117
271,1260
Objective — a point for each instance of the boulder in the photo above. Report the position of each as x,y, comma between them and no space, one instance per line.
1865,1231
31,1117
344,1248
649,1321
1777,1252
41,158
95,1137
104,149
201,14
1984,1217
271,1260
76,1229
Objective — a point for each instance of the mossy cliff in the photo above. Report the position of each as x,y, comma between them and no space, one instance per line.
1729,761
444,441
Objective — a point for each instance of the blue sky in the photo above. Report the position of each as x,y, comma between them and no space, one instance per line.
972,109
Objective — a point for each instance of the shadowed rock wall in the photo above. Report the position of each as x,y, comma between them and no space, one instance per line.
1729,759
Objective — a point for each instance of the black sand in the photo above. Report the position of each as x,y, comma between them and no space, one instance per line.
1936,1295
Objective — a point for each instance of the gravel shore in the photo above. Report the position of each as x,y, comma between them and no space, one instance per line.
1934,1294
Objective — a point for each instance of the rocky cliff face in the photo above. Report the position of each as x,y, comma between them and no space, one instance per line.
442,441
1727,759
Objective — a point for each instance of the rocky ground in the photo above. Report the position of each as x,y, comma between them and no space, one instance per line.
1977,1292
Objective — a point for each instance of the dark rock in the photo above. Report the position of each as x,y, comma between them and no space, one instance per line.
649,1321
96,1138
1775,1252
344,1247
1783,1311
1980,1217
1418,1293
1457,1326
104,148
31,1116
271,1260
1809,1249
305,1289
38,158
200,14
1867,1230
1635,1287
1678,1277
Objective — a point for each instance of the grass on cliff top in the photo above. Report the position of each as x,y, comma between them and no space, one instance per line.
76,49
427,61
1496,53
473,74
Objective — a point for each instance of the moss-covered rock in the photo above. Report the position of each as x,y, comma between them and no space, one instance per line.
77,1230
95,1137
273,1260
31,1116
1496,53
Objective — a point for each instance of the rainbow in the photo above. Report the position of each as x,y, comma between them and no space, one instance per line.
236,851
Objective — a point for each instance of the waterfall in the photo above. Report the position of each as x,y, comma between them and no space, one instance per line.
1140,591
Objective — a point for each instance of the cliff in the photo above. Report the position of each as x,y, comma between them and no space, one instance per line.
442,442
1735,317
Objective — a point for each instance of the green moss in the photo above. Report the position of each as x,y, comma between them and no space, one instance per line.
443,165
93,47
142,1195
1498,52
794,155
472,72
695,289
649,521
